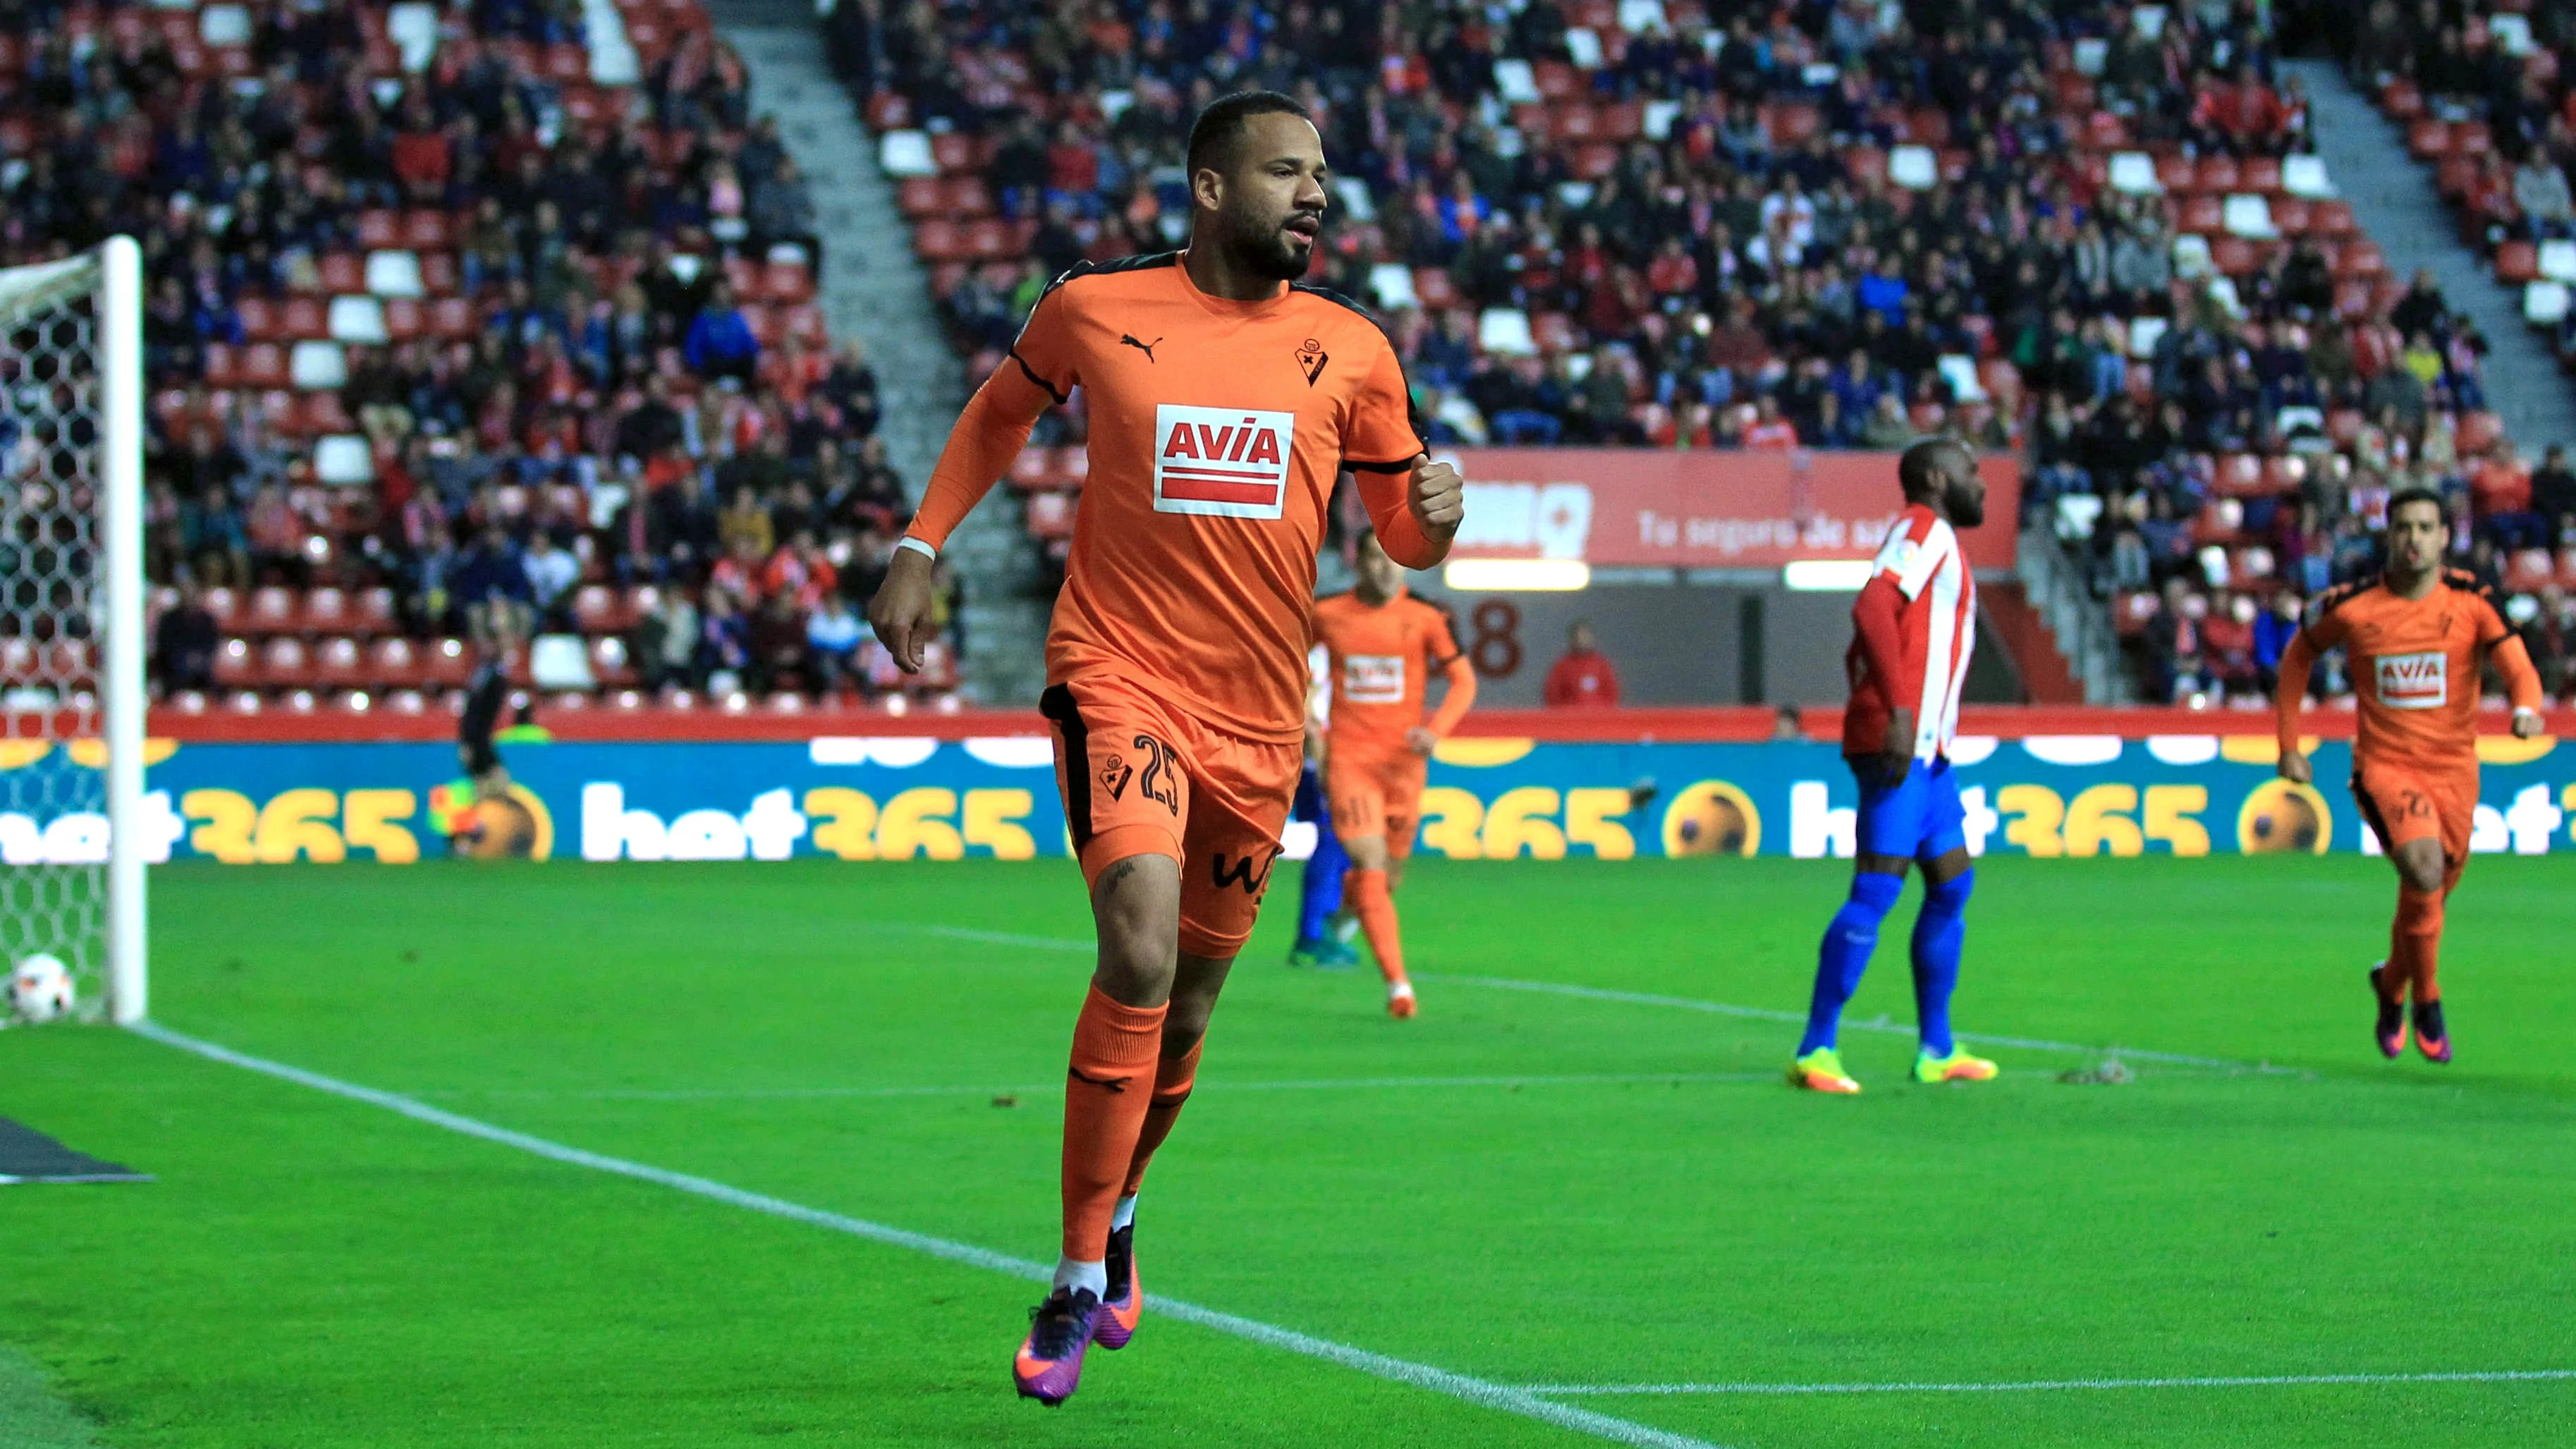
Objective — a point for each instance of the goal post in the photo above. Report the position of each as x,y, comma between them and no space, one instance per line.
72,622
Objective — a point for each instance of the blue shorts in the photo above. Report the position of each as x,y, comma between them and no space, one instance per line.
1919,818
1309,804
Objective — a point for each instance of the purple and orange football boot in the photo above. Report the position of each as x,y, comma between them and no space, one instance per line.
2391,1031
1115,1322
2431,1037
1049,1365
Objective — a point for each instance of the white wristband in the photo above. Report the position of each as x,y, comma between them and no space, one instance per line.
917,546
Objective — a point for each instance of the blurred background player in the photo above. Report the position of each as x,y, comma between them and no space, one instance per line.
487,692
1384,644
2415,641
1223,403
1324,929
1914,626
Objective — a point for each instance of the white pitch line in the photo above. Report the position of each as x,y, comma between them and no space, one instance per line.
1320,1084
1761,1013
1684,1003
1471,1390
2259,1381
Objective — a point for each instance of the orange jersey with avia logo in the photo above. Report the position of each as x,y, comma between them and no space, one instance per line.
1217,430
1382,657
2415,666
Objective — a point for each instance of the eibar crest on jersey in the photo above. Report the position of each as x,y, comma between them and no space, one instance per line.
1225,462
1311,358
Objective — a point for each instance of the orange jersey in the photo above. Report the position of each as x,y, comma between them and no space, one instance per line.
1382,658
1217,430
2415,665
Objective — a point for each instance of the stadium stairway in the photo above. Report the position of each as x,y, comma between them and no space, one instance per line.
874,288
2396,202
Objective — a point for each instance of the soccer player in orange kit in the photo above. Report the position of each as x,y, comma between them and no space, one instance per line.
2415,641
1224,400
1383,643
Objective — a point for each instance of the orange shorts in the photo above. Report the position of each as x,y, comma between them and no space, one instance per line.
1142,778
2403,802
1376,792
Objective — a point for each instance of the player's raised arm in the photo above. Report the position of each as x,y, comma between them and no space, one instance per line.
1414,503
986,441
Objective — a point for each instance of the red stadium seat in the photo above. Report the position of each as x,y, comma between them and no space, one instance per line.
2428,138
285,664
2259,174
374,613
2178,176
2331,219
235,666
2479,431
393,664
446,663
2517,262
2218,175
272,611
337,663
2531,569
326,611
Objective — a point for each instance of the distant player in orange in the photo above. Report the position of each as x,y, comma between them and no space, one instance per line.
1383,644
2415,642
1223,402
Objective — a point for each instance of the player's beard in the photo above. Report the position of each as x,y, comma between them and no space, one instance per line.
1966,512
1265,247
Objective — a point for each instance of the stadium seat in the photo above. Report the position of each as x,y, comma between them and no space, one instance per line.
284,663
2517,262
446,664
393,663
337,664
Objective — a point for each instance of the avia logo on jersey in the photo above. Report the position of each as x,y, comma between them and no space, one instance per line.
2414,681
1373,678
1221,462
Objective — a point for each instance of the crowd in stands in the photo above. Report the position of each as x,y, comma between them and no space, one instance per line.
2090,231
460,324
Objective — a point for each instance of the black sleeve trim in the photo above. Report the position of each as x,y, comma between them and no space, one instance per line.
1357,466
1031,374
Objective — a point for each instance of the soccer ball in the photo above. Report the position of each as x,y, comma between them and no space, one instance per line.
40,989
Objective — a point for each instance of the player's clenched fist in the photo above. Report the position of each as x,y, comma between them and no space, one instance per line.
1437,497
900,613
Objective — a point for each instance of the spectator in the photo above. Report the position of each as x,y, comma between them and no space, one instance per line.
2173,643
2553,497
2273,630
552,573
491,586
666,643
782,212
1583,678
832,638
2540,193
1770,432
184,643
720,344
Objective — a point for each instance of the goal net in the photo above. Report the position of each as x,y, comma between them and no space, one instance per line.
71,624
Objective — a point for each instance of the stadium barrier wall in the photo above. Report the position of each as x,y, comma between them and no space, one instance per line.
1650,783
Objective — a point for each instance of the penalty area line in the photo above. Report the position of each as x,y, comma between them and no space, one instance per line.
2036,1386
1480,1392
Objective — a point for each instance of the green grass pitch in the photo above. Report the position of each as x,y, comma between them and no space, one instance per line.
1564,1191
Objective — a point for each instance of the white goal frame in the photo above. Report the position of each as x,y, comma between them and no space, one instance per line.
111,279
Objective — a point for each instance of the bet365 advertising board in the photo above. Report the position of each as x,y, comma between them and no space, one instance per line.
899,798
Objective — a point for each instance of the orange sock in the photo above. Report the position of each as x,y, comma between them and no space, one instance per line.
2415,944
1105,1099
1173,1078
1367,893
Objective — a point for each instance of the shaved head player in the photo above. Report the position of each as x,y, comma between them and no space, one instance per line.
1224,400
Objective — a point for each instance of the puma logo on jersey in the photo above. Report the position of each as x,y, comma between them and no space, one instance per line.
1221,462
2414,681
1373,678
1146,348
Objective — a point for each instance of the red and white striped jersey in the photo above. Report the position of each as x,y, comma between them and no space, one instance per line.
1936,630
